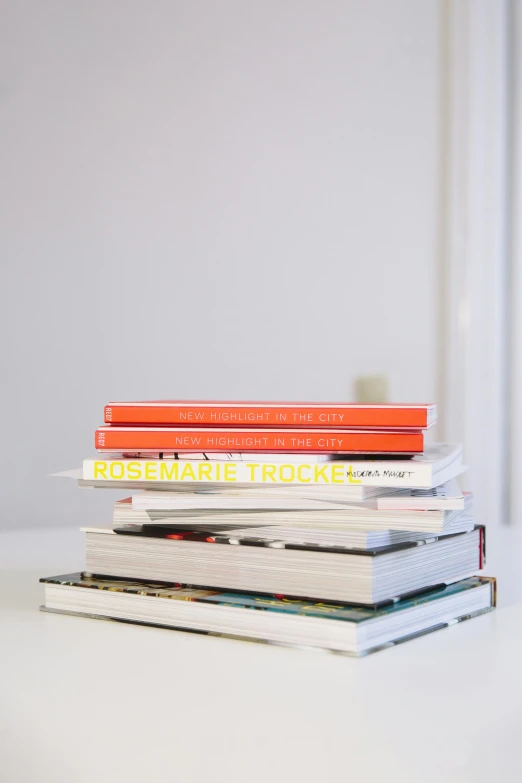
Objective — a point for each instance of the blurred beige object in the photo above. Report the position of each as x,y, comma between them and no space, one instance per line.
371,388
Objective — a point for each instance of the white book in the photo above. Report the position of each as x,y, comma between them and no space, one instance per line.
352,577
316,498
298,533
230,501
358,516
446,496
436,465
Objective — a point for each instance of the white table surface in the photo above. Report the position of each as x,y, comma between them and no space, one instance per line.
85,700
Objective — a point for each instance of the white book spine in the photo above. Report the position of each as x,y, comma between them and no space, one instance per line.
357,473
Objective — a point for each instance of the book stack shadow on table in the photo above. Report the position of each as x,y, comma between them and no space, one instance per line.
336,523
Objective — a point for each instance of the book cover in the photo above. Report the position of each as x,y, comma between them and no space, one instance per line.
272,414
270,618
180,439
271,603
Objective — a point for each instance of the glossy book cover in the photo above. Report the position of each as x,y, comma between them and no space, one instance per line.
272,603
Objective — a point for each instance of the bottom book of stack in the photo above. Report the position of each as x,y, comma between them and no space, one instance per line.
272,618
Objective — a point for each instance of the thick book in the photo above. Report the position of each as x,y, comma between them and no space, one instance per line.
209,439
368,577
437,464
277,619
273,414
204,508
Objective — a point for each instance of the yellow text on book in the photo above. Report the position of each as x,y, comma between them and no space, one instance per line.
205,470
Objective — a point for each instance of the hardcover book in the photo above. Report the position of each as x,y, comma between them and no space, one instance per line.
272,414
278,619
437,464
351,576
210,439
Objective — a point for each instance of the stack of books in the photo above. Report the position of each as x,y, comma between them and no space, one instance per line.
336,522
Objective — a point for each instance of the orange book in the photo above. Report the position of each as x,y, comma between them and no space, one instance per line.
337,415
227,439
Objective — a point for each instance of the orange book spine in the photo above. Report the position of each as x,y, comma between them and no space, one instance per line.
335,415
191,439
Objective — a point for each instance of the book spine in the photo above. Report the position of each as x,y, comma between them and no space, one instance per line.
210,440
327,416
377,474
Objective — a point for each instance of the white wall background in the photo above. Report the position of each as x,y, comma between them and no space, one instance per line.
215,199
